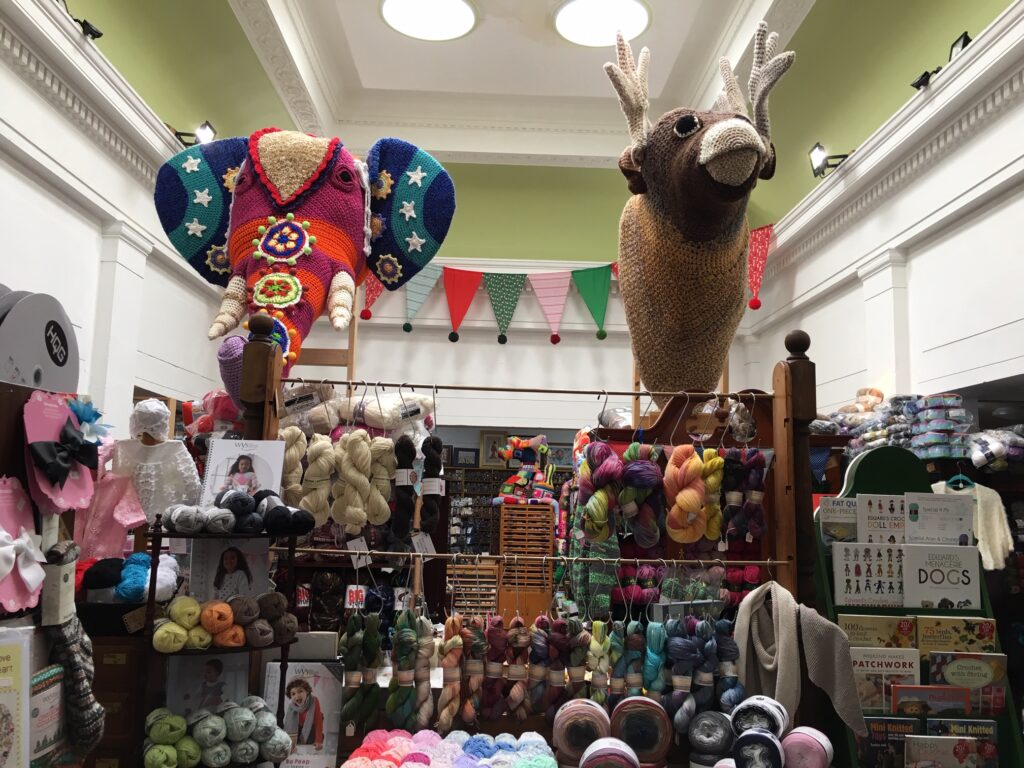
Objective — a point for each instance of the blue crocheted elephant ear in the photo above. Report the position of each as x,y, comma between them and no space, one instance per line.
412,201
193,200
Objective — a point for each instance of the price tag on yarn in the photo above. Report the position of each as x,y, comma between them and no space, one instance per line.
359,561
749,538
578,533
723,546
136,620
355,596
432,486
402,597
405,477
302,402
423,544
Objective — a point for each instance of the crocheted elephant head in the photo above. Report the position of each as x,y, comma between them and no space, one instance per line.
292,223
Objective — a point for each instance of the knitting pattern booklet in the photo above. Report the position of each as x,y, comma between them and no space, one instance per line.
877,670
930,700
941,752
881,519
244,465
879,631
205,682
838,518
222,568
948,633
312,710
984,674
15,690
868,574
939,518
985,732
883,747
942,577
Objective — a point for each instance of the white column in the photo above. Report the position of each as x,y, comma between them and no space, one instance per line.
123,257
886,321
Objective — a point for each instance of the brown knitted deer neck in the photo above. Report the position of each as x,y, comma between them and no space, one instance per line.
683,235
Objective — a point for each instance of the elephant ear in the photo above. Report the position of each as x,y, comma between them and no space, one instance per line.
193,200
412,201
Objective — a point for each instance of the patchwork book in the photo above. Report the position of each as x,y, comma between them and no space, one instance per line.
838,518
984,731
883,747
930,701
879,631
877,670
881,519
952,633
941,752
942,577
867,574
984,674
939,518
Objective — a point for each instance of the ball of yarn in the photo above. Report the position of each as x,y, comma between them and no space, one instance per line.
189,752
185,518
160,756
480,746
245,610
684,486
134,578
198,639
216,520
245,752
185,611
277,747
232,637
255,703
272,606
285,629
209,730
169,637
240,723
711,733
578,723
238,502
266,724
216,616
644,725
103,574
167,730
608,752
217,756
248,524
259,634
301,522
156,716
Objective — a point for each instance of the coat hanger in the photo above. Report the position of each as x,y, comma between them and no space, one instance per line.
959,481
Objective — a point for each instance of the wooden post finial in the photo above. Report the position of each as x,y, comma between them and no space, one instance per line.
797,344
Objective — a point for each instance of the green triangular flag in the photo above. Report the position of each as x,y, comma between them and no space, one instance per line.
504,290
593,284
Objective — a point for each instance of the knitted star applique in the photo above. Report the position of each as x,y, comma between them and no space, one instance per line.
415,243
195,228
203,198
191,164
408,210
416,177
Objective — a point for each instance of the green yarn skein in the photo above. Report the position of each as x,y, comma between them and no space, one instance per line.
350,648
189,752
185,611
209,731
217,756
198,639
168,730
372,659
401,703
160,756
168,636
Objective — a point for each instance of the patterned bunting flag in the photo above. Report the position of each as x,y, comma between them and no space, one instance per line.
504,290
593,284
374,288
761,242
417,290
551,288
460,287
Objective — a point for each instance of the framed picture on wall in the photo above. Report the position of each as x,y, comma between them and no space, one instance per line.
446,455
491,445
467,457
560,455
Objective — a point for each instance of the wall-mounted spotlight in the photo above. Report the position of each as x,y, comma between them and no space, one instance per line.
958,45
204,134
925,78
822,162
89,29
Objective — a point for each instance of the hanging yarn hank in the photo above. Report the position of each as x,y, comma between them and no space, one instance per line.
540,660
684,487
636,648
405,496
598,660
316,482
432,466
372,660
424,652
401,703
382,471
753,506
517,702
617,661
352,490
712,474
291,476
729,690
600,476
350,648
558,640
654,660
494,686
642,481
474,649
579,646
448,703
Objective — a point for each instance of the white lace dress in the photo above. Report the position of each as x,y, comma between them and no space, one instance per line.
164,474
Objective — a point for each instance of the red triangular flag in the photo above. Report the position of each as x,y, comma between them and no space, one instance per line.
761,241
460,287
374,288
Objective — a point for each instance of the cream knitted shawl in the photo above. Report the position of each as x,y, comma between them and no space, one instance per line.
991,529
773,631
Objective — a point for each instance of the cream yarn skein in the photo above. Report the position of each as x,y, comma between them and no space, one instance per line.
316,484
291,478
382,470
352,491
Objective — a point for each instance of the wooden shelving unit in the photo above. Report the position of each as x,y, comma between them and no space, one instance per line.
526,529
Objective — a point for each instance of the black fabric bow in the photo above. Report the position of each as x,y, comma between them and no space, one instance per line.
56,458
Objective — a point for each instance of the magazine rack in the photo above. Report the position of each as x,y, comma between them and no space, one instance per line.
896,471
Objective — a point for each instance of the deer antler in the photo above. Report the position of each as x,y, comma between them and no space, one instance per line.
765,72
730,98
630,81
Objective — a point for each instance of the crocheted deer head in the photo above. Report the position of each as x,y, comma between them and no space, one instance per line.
683,234
292,223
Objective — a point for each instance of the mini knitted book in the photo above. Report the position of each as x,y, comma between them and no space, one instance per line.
292,223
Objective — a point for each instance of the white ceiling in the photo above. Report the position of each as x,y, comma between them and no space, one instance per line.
511,91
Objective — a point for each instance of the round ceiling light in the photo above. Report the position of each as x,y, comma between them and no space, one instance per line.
429,19
594,22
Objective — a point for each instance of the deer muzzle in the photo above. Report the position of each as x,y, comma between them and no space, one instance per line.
731,150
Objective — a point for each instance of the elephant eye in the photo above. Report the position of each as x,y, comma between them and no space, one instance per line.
345,176
687,125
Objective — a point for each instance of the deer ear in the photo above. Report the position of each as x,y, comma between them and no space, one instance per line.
634,179
768,169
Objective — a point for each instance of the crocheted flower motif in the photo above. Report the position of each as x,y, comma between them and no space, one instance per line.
277,290
388,269
382,187
229,178
284,241
377,226
217,260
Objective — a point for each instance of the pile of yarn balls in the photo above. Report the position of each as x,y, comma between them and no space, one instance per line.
113,580
389,749
257,622
238,512
233,734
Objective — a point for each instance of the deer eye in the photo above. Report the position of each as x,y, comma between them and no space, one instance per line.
687,125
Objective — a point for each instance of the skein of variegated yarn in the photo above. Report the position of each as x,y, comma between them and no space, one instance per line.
600,476
382,470
713,474
636,649
558,639
518,654
350,648
451,663
401,703
291,475
616,664
540,659
474,647
684,486
579,646
372,660
424,652
598,660
642,486
494,684
352,490
316,483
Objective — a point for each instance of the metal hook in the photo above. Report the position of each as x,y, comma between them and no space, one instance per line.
433,404
604,406
686,407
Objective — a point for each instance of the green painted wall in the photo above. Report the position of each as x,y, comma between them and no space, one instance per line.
855,60
189,60
532,212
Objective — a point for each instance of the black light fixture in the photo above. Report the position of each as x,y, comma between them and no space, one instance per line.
822,162
925,78
204,134
89,29
958,45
